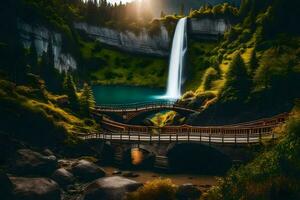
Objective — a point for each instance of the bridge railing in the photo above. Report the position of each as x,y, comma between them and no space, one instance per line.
135,106
240,136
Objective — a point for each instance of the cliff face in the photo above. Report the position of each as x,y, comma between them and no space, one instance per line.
208,26
41,37
143,42
159,44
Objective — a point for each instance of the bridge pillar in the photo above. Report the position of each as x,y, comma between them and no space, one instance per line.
161,162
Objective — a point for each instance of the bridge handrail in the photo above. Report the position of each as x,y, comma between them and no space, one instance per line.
240,125
136,105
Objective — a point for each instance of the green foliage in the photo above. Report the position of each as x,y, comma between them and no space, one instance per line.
274,174
224,11
110,66
70,89
158,189
238,82
87,100
48,72
210,75
31,114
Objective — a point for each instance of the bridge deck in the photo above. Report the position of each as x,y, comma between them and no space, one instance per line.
121,137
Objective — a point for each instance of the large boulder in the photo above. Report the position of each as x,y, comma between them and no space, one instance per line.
63,177
31,162
188,192
110,188
35,189
87,171
5,187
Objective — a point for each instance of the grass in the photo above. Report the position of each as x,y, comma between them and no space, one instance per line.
113,67
39,118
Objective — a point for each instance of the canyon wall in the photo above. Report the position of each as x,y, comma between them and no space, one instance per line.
158,44
142,42
208,26
41,37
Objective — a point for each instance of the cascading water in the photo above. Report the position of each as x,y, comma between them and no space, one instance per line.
179,48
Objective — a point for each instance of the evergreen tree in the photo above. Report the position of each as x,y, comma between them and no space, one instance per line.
253,64
238,81
87,100
21,68
49,73
70,90
33,58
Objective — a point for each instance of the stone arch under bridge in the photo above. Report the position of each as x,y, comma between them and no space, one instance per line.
161,152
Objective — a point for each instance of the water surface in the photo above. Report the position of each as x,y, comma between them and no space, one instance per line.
107,94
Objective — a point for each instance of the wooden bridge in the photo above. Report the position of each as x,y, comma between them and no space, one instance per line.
228,140
127,112
242,133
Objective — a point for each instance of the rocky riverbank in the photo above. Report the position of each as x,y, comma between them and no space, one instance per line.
35,175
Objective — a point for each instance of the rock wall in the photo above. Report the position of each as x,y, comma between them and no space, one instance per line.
143,42
208,26
159,44
41,37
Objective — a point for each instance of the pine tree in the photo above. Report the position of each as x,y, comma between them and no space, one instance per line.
70,89
87,100
33,58
238,81
254,63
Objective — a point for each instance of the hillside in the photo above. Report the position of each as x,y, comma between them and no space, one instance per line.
254,72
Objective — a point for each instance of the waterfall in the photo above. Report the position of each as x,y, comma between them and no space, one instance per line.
179,47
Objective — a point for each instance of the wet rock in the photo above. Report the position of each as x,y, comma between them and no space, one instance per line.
31,162
130,175
110,188
35,189
117,172
188,192
87,171
63,177
5,187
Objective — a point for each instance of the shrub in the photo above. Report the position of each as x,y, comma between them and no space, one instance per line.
159,189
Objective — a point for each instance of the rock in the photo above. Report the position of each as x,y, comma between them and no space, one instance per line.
117,172
6,187
130,175
188,192
87,171
48,152
35,189
157,44
31,162
63,177
110,188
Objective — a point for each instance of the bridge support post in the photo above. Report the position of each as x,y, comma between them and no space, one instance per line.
223,137
260,135
248,135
